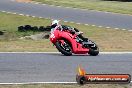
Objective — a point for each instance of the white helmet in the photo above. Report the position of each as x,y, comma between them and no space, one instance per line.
54,23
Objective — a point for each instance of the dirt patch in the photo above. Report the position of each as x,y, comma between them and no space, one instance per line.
37,36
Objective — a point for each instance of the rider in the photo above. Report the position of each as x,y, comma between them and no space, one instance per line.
55,24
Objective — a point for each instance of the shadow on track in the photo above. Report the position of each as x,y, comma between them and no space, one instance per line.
59,54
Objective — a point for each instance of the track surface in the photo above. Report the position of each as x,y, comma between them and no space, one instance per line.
40,67
53,67
68,14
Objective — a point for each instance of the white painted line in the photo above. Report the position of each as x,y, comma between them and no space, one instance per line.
40,83
43,4
107,27
115,52
123,29
130,30
86,24
8,12
3,11
33,16
59,52
71,22
58,6
67,7
78,23
52,19
66,21
36,3
40,17
106,12
14,13
27,15
93,25
21,14
116,28
100,26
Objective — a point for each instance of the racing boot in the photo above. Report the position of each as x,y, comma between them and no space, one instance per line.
85,44
79,33
88,43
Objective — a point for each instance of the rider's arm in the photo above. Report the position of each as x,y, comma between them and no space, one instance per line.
76,29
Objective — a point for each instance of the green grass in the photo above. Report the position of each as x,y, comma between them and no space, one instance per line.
101,5
66,86
107,39
9,23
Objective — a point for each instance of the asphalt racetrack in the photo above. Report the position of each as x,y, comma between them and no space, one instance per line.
54,67
68,14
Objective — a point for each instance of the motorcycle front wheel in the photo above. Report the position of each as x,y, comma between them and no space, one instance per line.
93,50
64,47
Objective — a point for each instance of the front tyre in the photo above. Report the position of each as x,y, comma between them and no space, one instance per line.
93,50
64,47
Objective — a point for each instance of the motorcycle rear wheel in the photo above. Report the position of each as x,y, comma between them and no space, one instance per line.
62,49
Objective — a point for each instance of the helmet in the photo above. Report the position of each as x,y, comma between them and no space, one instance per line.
54,23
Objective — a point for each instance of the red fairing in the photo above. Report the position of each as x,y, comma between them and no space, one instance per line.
54,36
76,47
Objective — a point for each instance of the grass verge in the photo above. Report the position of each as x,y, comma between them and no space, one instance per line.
101,5
107,39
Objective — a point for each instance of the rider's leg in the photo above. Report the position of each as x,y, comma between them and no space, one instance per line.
83,38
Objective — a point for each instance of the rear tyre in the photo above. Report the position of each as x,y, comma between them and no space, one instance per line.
21,29
64,48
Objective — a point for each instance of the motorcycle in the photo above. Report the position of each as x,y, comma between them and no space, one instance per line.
68,43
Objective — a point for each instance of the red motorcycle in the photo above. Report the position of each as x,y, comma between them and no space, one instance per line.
68,43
